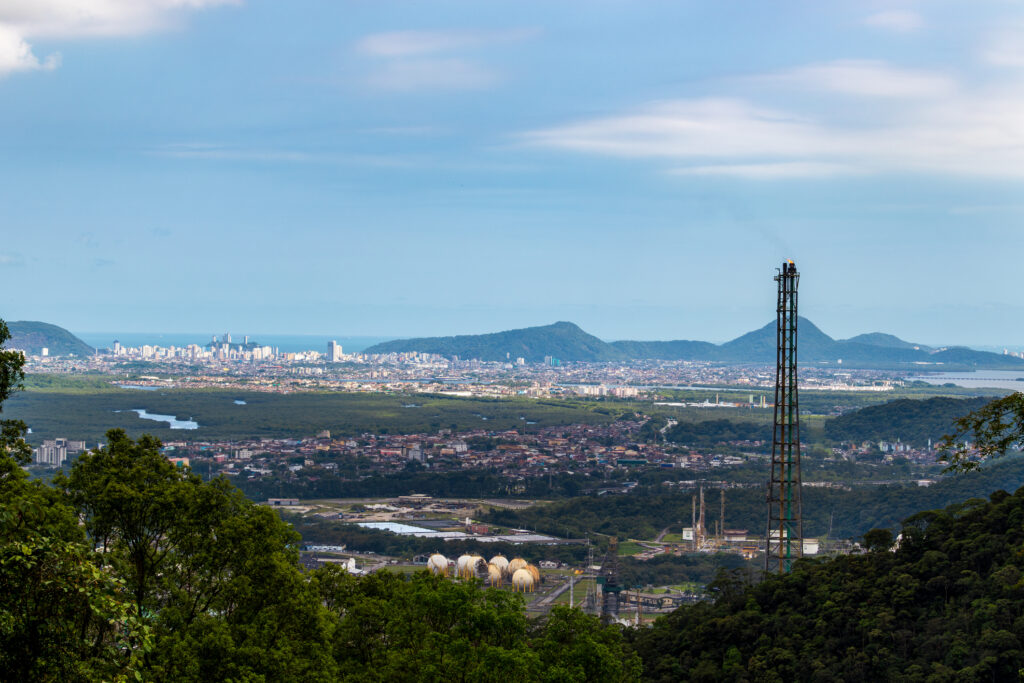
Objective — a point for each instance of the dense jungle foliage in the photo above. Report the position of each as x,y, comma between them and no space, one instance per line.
175,579
946,603
913,422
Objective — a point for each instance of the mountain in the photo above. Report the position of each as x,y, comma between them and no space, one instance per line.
567,342
563,340
31,337
666,350
886,341
911,421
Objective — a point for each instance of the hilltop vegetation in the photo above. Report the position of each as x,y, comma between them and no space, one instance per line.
947,605
32,337
913,422
566,341
562,340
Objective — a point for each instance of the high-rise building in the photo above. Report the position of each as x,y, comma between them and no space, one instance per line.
333,352
55,452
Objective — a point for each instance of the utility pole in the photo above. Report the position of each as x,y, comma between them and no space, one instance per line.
784,540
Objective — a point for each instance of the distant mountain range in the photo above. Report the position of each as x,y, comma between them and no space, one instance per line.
32,337
567,342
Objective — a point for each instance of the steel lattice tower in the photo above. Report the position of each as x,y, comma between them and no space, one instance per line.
785,537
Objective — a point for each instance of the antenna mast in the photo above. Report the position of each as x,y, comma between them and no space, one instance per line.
784,541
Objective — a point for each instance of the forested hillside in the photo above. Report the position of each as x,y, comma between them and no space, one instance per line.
32,337
913,422
947,605
848,513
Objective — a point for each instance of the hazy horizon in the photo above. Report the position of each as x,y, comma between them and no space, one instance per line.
358,342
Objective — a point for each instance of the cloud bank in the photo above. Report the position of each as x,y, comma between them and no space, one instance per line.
930,124
24,20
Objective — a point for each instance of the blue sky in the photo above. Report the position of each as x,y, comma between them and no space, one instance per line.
407,168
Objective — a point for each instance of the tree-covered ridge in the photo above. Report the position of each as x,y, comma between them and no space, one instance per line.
567,342
838,512
711,432
911,421
946,605
32,336
563,340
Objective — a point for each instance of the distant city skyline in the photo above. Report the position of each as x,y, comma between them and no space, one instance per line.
455,167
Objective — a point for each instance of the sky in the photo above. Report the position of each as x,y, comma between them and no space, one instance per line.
453,167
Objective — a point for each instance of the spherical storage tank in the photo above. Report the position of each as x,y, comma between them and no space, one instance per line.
494,574
522,580
470,566
515,565
438,564
463,566
500,562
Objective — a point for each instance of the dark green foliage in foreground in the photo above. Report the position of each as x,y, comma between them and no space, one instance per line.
948,605
429,628
910,421
63,615
989,432
185,580
177,579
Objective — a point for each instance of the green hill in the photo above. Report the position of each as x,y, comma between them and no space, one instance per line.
32,337
908,420
567,342
946,605
886,341
562,340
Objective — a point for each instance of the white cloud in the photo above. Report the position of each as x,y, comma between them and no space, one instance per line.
900,21
430,60
975,134
771,171
24,20
432,74
866,77
702,128
16,54
417,43
1006,48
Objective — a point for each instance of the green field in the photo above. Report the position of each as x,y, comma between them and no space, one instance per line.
85,408
630,548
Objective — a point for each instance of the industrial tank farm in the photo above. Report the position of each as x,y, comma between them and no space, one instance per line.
523,576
